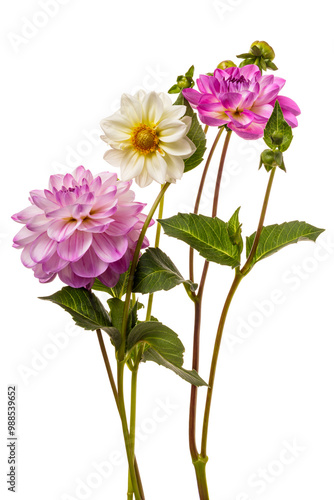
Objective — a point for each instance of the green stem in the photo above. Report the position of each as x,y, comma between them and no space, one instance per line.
115,393
134,376
121,352
199,196
156,244
126,434
239,275
202,484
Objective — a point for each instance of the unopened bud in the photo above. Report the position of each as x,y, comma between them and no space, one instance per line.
277,137
263,49
271,159
226,64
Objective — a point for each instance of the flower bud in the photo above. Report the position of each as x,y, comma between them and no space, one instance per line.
277,137
270,159
226,64
263,49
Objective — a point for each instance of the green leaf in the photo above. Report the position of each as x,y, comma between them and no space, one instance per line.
155,271
190,376
175,89
160,337
234,230
277,236
206,235
245,55
190,72
117,310
276,125
86,310
120,288
195,134
100,287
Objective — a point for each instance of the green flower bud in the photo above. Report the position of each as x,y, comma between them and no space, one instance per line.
270,159
262,49
226,64
183,82
277,137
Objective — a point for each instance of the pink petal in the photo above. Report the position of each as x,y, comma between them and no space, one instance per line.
290,119
241,119
288,104
54,264
26,214
230,100
250,71
75,246
89,266
42,248
24,237
60,230
192,96
109,277
109,249
254,131
38,223
68,277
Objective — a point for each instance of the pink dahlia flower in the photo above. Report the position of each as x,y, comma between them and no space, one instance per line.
81,228
242,99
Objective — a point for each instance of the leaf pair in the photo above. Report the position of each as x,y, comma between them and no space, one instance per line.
161,344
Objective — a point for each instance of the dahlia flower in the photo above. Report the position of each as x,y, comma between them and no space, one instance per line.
148,136
81,228
242,99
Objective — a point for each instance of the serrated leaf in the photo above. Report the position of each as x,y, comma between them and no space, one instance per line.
234,230
190,376
277,124
278,236
206,235
155,271
195,134
117,310
161,338
86,310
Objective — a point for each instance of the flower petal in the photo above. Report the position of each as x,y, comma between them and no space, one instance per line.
75,246
152,109
109,249
132,164
89,266
42,248
60,230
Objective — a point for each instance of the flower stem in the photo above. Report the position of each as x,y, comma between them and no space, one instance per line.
199,195
126,434
121,351
239,275
134,376
115,393
198,303
156,244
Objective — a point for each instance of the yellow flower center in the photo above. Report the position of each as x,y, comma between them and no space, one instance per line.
144,139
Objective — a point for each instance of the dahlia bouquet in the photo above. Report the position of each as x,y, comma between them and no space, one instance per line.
90,232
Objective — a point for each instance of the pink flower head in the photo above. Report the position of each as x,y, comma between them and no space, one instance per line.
240,98
81,228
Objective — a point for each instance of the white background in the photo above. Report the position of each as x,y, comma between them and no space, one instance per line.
275,386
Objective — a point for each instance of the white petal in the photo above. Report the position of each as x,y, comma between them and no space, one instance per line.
156,167
132,165
174,131
175,167
152,108
117,121
143,179
174,112
114,156
188,121
183,147
131,108
140,95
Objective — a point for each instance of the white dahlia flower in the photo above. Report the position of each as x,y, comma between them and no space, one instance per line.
148,137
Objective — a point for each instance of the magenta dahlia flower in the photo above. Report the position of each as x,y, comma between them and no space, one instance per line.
81,228
240,98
